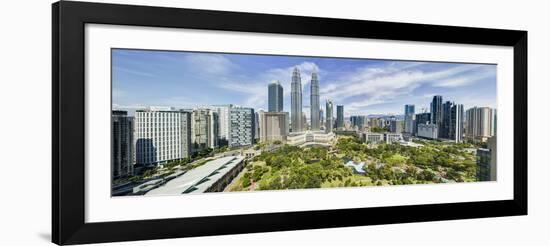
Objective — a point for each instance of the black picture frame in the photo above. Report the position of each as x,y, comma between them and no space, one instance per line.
68,25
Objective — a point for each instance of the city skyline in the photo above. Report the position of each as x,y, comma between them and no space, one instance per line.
161,150
181,79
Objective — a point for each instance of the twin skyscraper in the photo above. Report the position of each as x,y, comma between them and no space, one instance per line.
297,119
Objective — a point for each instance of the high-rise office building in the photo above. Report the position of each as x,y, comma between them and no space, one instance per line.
314,103
215,130
329,107
358,121
436,110
275,97
339,116
456,130
396,126
273,126
122,147
162,135
296,102
409,119
257,126
445,126
241,126
479,124
205,126
223,123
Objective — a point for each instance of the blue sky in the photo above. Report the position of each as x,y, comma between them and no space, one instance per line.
187,79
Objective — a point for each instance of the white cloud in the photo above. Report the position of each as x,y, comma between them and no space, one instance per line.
215,64
255,93
466,79
133,71
386,84
118,94
131,106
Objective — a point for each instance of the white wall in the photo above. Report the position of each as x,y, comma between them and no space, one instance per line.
25,99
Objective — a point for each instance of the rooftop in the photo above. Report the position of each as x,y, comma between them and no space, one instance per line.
357,167
198,180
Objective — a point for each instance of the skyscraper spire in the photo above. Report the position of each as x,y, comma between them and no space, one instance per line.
314,103
296,101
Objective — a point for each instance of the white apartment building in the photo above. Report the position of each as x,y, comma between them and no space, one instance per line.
161,135
480,123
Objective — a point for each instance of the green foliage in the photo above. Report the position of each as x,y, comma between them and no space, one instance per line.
378,129
245,179
258,172
394,159
291,167
149,173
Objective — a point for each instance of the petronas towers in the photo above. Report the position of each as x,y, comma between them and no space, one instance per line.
296,102
314,103
296,119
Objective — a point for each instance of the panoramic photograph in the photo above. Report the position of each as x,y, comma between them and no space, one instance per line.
187,122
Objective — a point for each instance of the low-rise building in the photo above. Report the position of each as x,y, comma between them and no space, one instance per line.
372,137
212,176
429,131
393,137
410,144
310,138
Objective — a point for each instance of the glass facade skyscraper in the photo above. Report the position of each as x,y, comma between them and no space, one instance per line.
457,123
122,148
445,128
409,119
275,97
340,116
436,109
